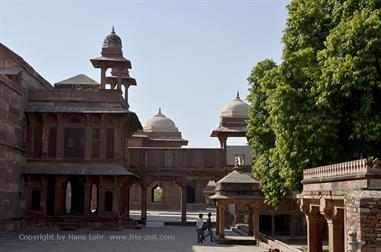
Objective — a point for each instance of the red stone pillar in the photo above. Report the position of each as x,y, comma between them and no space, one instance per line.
335,222
102,138
59,197
43,191
28,197
143,199
87,198
251,221
314,233
222,139
222,222
60,138
119,79
103,77
45,137
127,198
256,223
126,86
88,137
116,198
183,203
217,220
101,200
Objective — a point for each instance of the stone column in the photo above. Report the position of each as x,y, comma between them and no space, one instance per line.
256,223
45,137
126,94
222,222
127,198
335,221
251,220
103,77
118,143
115,200
28,197
183,203
60,138
217,220
43,191
102,138
87,198
273,225
101,199
314,231
143,199
59,197
119,79
88,137
222,140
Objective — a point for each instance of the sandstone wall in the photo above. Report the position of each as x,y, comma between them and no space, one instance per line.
363,221
16,79
12,150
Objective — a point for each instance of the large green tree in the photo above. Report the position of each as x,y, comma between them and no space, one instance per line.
322,104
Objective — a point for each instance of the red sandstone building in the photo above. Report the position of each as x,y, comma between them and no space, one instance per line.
74,154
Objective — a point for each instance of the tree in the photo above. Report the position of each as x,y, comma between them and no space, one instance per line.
322,104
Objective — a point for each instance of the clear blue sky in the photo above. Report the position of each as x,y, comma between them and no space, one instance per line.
188,57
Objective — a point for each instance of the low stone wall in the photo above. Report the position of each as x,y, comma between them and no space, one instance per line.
363,221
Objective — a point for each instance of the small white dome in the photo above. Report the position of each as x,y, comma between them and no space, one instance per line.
160,123
236,108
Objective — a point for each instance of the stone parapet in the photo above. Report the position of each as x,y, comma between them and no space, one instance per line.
339,178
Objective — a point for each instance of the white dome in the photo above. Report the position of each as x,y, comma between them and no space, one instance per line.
236,108
160,123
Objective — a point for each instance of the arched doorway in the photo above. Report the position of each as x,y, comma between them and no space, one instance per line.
74,196
94,198
157,194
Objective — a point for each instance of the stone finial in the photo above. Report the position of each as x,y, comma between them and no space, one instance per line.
113,30
237,98
159,114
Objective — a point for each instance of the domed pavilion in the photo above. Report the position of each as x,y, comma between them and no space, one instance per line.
232,121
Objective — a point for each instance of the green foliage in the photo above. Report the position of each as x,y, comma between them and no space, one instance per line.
158,194
322,104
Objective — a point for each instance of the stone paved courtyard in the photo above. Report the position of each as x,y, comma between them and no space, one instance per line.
167,238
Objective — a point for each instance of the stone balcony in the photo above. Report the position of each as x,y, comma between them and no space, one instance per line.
337,179
172,161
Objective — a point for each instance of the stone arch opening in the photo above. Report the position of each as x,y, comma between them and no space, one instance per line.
157,194
74,196
94,198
